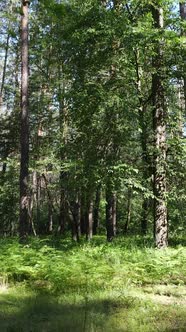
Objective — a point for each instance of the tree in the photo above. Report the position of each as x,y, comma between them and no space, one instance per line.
159,124
24,142
183,18
98,70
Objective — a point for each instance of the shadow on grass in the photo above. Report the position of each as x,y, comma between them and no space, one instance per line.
45,313
35,312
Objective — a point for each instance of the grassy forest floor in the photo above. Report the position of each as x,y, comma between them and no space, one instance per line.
56,285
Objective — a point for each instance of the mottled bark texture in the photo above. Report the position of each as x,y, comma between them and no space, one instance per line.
159,124
24,140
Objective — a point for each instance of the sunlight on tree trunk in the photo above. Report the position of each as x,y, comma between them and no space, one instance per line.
24,190
159,123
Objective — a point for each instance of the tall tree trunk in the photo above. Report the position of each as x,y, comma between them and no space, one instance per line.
183,33
144,131
159,124
146,169
24,142
63,125
114,146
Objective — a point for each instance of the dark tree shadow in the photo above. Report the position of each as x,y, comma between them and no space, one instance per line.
46,313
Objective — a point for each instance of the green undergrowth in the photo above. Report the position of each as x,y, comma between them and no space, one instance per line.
61,265
58,285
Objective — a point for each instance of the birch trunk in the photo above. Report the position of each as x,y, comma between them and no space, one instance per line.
159,124
24,141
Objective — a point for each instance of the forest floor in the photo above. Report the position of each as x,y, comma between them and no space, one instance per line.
56,285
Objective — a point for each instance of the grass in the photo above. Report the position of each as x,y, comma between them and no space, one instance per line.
56,285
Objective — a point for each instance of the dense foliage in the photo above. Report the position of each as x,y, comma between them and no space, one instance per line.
93,157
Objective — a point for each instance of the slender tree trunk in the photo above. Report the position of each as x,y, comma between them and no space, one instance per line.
4,68
110,213
89,220
129,205
2,88
84,213
50,219
144,216
63,124
62,210
144,131
183,33
38,199
50,205
159,124
32,201
146,169
110,193
96,210
76,216
24,195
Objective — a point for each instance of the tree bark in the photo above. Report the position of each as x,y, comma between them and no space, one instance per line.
146,168
96,210
63,125
129,205
159,124
63,203
110,213
76,219
49,227
4,68
183,33
24,141
144,133
89,226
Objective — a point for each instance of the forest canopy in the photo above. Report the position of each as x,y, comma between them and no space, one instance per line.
92,118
